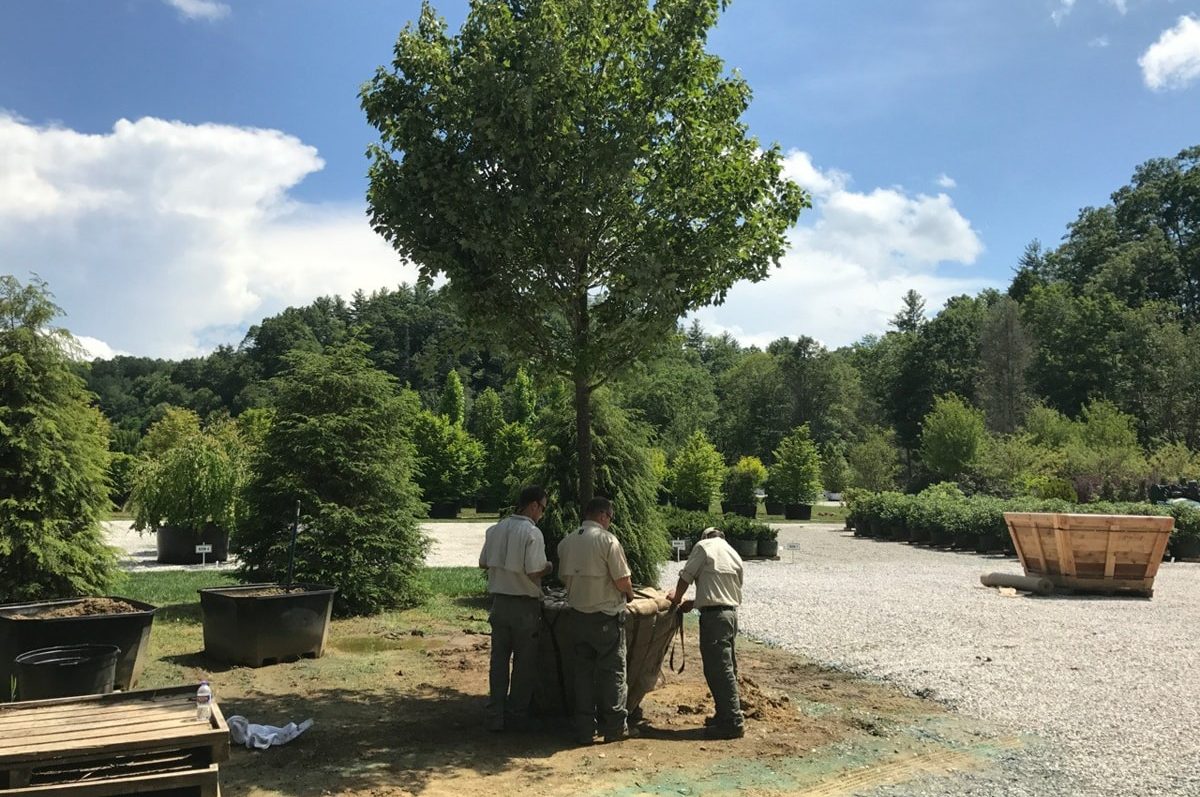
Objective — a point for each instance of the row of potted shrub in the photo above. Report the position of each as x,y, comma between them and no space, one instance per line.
748,537
943,516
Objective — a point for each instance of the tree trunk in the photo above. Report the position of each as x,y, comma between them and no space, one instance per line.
583,438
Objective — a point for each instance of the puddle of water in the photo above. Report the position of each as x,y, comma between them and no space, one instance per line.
378,644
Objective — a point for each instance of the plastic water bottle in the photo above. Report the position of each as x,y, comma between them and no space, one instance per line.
204,702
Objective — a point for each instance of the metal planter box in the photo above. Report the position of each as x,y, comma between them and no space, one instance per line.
130,632
1092,553
254,630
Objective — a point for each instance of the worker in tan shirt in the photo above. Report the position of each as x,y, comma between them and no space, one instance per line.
514,555
592,565
716,570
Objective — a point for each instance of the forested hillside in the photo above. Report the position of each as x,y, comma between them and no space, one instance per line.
1079,380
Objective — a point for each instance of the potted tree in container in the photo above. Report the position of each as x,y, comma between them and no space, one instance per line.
189,495
339,447
695,474
449,461
795,478
52,497
742,480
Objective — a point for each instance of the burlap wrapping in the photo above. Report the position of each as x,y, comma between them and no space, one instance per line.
649,629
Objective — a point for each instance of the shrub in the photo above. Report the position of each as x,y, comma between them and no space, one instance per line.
452,405
795,478
696,473
509,463
742,479
835,471
874,462
338,445
624,473
121,470
53,458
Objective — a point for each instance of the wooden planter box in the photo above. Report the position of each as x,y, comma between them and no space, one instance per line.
1091,553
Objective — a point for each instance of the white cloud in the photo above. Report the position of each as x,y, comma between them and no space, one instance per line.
1099,41
1173,61
850,263
200,9
1060,13
1122,6
165,239
946,181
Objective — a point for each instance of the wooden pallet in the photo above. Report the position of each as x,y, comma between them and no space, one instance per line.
1091,553
139,742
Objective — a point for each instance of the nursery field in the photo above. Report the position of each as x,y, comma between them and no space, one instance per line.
397,702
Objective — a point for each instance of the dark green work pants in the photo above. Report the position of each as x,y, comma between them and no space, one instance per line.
718,634
600,686
515,621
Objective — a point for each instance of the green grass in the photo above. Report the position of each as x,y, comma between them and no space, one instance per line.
455,582
171,587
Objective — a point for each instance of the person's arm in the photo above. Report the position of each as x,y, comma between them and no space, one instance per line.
625,587
536,564
681,588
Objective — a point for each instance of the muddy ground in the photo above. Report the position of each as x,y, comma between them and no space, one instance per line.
398,699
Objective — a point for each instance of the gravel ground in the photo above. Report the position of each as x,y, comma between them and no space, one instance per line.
1112,685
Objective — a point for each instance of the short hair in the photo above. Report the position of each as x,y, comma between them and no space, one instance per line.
531,494
598,506
710,532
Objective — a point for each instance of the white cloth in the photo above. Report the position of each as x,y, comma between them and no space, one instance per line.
260,737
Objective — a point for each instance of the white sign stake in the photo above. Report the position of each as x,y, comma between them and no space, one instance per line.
204,551
678,545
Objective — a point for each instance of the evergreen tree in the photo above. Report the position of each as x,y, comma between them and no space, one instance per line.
53,457
339,446
453,404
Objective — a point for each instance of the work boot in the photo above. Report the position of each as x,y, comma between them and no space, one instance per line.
724,732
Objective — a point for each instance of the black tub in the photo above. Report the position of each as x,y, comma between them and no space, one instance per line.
264,629
66,671
129,632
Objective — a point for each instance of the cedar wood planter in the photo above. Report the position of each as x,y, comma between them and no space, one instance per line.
1092,553
130,632
254,630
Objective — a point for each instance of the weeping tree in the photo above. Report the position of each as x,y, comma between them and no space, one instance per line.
625,473
338,443
579,172
53,457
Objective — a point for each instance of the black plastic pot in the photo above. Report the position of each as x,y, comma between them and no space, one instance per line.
1185,547
742,510
773,507
487,506
66,671
768,547
745,547
797,511
941,538
443,510
254,630
177,545
21,631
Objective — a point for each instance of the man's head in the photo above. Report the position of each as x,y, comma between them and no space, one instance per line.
532,502
599,510
711,532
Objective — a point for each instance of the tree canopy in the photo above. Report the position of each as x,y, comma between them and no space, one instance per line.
579,171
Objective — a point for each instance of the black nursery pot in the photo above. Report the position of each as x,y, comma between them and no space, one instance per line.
797,511
22,631
177,545
66,671
254,630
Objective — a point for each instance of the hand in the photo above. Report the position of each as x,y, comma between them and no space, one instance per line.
687,605
671,596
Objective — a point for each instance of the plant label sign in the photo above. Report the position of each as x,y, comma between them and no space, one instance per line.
791,546
679,546
204,550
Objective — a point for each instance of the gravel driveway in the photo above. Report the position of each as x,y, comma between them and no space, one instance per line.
1112,685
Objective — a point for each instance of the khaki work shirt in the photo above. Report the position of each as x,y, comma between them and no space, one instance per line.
589,561
716,570
512,549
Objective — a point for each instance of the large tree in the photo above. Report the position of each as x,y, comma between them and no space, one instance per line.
579,171
53,457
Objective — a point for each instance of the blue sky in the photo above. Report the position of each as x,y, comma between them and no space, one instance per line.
179,169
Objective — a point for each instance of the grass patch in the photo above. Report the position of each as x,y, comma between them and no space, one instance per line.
454,582
172,587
